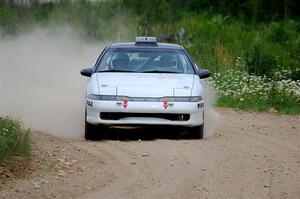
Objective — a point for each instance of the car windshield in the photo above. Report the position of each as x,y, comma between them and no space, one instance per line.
145,61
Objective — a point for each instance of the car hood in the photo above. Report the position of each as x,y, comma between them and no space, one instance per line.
145,84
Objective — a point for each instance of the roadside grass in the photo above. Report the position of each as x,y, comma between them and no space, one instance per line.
291,110
14,140
238,89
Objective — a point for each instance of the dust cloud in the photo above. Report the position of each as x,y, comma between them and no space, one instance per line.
40,81
211,116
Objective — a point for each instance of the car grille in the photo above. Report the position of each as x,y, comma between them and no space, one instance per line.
168,116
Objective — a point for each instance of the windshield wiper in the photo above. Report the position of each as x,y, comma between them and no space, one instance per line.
158,71
115,70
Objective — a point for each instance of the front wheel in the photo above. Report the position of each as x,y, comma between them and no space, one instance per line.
93,132
196,132
90,131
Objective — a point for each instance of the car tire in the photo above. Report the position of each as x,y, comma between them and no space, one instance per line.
197,132
90,131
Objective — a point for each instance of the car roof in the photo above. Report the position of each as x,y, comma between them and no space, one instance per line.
132,45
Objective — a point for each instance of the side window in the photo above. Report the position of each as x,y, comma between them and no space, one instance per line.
99,58
107,64
185,64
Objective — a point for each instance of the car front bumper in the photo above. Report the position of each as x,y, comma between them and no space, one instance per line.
95,107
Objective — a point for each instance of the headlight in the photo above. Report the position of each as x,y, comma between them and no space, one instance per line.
184,99
103,97
196,98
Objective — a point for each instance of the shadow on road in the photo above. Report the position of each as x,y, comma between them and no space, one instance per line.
142,133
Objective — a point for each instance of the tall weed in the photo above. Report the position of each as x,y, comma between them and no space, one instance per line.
13,139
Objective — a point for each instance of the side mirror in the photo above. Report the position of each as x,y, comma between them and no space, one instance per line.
87,72
203,73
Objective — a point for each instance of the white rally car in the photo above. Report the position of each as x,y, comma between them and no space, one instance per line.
144,83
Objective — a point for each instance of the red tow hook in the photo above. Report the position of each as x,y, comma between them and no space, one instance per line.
165,104
125,104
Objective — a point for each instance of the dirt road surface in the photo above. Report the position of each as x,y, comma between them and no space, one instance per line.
251,155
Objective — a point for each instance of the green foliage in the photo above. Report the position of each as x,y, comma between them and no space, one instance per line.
7,18
260,61
216,42
249,10
13,139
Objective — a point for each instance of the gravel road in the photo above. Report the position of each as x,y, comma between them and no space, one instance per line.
251,155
